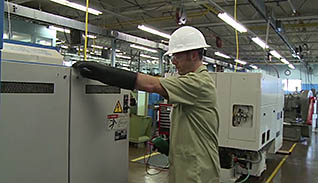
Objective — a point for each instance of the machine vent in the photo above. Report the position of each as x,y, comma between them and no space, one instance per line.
102,89
268,134
263,138
26,87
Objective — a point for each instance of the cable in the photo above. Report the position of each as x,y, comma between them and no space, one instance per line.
251,161
149,152
236,37
245,179
266,41
86,27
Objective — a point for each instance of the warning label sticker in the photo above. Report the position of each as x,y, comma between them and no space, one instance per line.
117,122
118,108
120,135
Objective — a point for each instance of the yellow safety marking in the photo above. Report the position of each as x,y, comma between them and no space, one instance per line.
292,148
283,152
144,157
269,180
118,108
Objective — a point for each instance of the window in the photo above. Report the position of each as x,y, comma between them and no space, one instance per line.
43,41
292,85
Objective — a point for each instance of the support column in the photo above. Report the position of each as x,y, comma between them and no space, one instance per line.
161,71
113,57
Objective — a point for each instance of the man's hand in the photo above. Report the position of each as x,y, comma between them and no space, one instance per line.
91,70
106,74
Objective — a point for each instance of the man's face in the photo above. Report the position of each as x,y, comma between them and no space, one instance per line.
183,62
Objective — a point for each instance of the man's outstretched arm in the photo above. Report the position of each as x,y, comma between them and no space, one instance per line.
150,84
119,77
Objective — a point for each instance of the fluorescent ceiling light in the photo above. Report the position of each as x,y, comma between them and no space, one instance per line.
77,6
143,48
59,29
5,36
291,66
153,31
275,54
240,61
82,49
117,50
96,46
221,55
122,56
260,42
208,60
89,36
148,56
254,66
63,46
284,61
229,20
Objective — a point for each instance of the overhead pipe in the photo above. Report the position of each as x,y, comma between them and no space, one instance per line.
70,23
261,9
292,6
157,19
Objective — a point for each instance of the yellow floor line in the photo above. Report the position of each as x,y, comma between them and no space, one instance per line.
147,156
269,180
292,148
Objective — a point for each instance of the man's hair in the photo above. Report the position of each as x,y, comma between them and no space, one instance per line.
201,53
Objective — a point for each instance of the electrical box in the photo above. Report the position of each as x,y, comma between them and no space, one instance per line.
250,106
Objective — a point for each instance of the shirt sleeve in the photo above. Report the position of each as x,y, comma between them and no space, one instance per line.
183,89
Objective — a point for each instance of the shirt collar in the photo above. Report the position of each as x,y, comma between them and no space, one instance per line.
201,68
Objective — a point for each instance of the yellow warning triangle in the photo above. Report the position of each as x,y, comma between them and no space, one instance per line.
118,108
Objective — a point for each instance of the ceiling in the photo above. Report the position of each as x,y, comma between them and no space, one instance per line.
300,27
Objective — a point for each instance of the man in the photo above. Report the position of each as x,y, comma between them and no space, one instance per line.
194,128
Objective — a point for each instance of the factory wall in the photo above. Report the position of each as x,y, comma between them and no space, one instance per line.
309,77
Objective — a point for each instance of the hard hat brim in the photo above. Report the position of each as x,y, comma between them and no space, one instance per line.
170,52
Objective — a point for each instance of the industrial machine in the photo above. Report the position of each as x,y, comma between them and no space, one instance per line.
296,107
57,127
251,121
300,115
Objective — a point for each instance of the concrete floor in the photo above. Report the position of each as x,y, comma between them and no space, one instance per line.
300,166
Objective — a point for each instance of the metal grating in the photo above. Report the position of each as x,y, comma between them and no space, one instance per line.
101,89
26,87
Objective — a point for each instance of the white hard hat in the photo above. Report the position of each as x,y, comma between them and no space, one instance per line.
186,38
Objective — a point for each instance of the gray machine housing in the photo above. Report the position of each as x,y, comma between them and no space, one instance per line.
57,127
251,121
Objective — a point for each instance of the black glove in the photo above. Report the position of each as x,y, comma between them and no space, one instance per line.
106,74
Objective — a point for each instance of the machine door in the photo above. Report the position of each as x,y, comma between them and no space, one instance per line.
98,133
34,123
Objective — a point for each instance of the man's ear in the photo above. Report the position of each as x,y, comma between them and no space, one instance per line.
194,55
